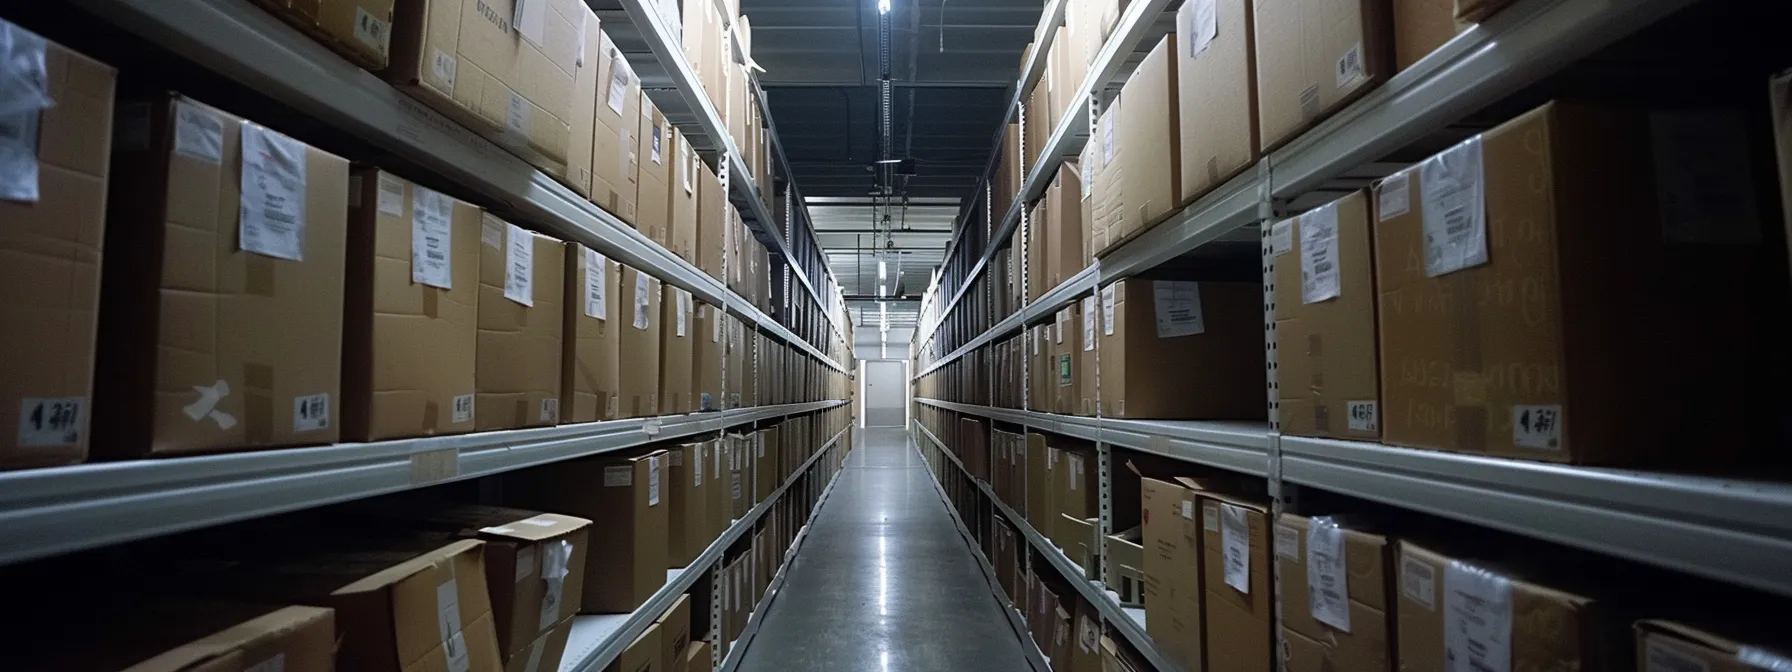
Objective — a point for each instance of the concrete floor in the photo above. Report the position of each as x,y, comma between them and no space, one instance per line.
884,581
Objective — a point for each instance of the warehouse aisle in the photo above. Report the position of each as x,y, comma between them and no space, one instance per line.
884,581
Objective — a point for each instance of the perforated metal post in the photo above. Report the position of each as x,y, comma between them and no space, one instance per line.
1281,495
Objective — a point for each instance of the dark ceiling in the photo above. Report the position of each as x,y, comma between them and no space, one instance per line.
950,86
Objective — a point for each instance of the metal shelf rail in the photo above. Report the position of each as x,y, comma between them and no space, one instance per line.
1237,446
44,512
1092,591
596,640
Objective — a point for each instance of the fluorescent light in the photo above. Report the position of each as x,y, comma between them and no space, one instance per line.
882,270
883,6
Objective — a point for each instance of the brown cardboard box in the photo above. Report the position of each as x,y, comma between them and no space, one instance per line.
714,213
204,636
735,372
1313,57
1237,600
521,326
641,344
1076,490
509,78
1173,569
404,376
359,30
1326,356
1079,542
1151,148
1037,126
697,657
677,351
708,374
615,166
1668,645
1067,353
1085,656
51,293
1106,172
1543,628
689,532
1335,594
627,560
765,463
719,494
1038,275
582,125
590,349
1083,400
642,655
1064,254
1421,26
545,652
675,633
740,475
205,345
1153,345
653,197
1216,93
1061,624
686,166
1570,333
1039,498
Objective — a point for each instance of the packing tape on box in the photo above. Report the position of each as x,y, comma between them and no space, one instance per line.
258,416
555,558
206,406
432,298
258,275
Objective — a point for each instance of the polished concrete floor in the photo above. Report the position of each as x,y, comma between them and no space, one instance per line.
884,581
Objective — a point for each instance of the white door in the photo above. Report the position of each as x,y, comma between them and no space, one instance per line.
886,393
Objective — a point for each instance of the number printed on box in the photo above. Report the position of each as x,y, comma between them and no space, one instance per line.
51,422
1537,427
463,408
311,412
1364,416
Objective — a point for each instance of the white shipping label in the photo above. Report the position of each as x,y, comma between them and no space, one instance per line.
1537,427
525,559
653,481
1288,542
1108,301
1235,543
1088,635
1350,65
1281,238
556,556
620,476
1038,336
432,242
550,411
620,77
1210,517
51,421
697,469
1204,25
272,220
1107,139
198,133
653,153
463,408
1088,179
1059,325
715,325
683,308
448,625
491,231
689,161
1188,509
18,156
1178,308
1328,587
1319,254
373,31
1452,197
311,412
275,664
516,114
443,65
1477,618
1088,323
1364,416
1418,582
1659,656
643,300
597,275
519,265
531,20
1391,199
391,197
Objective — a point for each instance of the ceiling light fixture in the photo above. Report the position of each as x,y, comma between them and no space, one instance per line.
883,6
882,270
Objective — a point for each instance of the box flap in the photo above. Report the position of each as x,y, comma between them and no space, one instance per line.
537,528
404,570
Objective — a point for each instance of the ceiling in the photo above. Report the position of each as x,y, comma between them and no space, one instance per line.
951,82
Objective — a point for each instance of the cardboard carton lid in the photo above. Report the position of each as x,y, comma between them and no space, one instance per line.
269,626
401,571
537,528
1251,503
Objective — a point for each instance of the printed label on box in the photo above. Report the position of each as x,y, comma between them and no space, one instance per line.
1319,254
311,412
391,196
1350,65
1088,323
51,421
1537,427
198,133
1418,583
432,241
1364,416
463,408
597,271
519,265
1477,618
272,203
1235,542
1391,199
620,476
1108,301
1328,587
1178,308
442,65
1453,197
1281,238
1287,542
373,31
550,411
643,300
516,114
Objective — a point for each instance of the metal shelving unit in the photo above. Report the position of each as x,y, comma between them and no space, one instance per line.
1237,446
596,640
44,512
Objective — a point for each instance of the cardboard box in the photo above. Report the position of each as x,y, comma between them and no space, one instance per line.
1067,351
653,196
1083,398
1077,489
1173,569
1669,645
1420,27
1064,254
690,532
359,30
409,347
545,652
191,635
1080,543
642,655
1038,224
708,374
1151,147
1237,597
686,167
677,351
714,214
55,214
1061,623
1569,333
590,360
509,78
1326,365
1037,125
675,633
735,371
697,657
206,345
1314,57
1546,628
1038,504
1085,655
1343,612
521,326
1216,93
1106,172
720,492
615,165
582,127
641,343
627,560
1153,345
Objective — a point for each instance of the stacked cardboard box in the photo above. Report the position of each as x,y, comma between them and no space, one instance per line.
1325,322
1343,619
628,557
1457,607
677,351
590,361
1312,58
615,164
641,343
1157,335
1216,93
522,277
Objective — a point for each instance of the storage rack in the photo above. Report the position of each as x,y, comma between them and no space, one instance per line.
1733,531
51,511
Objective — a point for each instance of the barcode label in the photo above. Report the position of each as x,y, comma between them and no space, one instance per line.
1418,583
372,31
431,239
443,66
1391,199
1319,254
1452,198
1350,65
311,412
519,265
463,408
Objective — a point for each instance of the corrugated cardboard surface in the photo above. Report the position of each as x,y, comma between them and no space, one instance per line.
1239,625
582,126
1149,132
409,349
735,373
590,361
471,60
50,281
643,654
1421,26
707,373
697,657
1216,96
1304,60
1369,570
518,375
1661,645
640,389
1171,566
1104,163
552,645
359,30
205,346
1326,365
687,165
653,195
714,212
1088,328
1147,377
627,500
1038,273
615,167
1550,629
675,633
687,488
1067,351
678,343
1064,237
